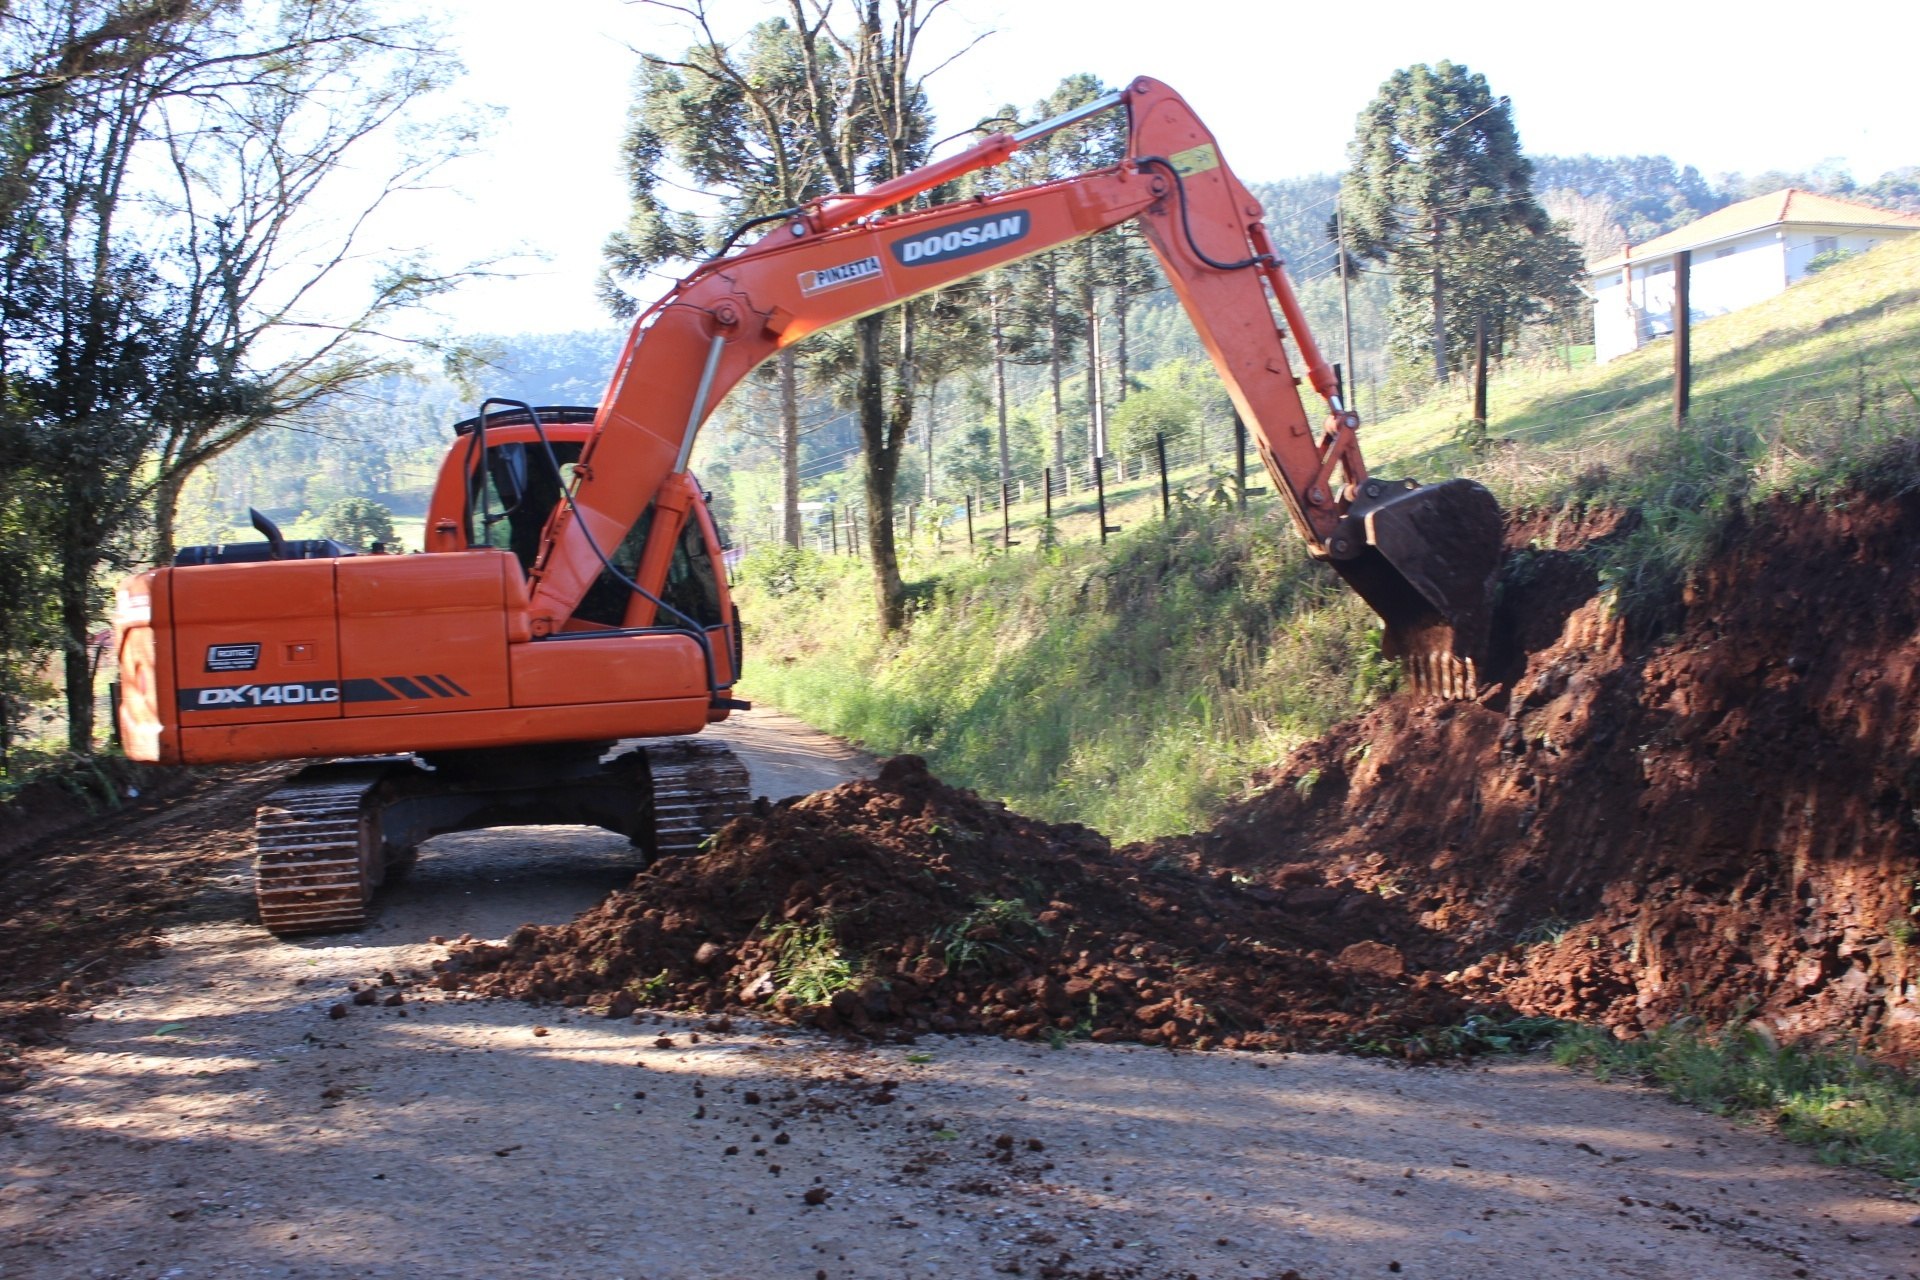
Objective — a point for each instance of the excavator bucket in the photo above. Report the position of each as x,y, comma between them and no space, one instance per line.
1424,556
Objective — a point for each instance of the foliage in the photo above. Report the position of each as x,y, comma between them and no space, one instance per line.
1831,258
966,942
1853,1110
1644,196
1438,190
775,572
1477,1035
154,162
808,962
358,523
1155,411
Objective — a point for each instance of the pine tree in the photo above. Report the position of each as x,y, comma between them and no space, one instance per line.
1440,193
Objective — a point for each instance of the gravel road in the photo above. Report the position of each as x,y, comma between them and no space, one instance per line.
214,1119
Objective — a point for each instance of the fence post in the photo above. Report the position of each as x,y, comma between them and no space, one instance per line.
833,526
1682,335
1166,497
1006,521
969,521
1046,488
1100,497
1239,461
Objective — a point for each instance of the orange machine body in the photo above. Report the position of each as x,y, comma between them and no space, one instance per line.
375,654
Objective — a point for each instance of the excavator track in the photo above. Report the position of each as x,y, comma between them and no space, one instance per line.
312,867
323,840
699,786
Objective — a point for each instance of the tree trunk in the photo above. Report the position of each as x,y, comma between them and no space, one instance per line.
166,514
1000,387
883,466
1120,340
75,631
1096,388
1439,310
1053,363
789,450
1480,370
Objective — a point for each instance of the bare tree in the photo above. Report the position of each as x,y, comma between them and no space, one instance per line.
252,134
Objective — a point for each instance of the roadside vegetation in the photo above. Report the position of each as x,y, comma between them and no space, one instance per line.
1132,687
1853,1110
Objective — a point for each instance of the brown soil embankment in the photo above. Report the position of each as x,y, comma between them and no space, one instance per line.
1726,820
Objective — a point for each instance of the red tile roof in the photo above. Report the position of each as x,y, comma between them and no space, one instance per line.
1790,205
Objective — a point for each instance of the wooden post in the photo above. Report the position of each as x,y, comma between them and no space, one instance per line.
1480,370
1100,498
1006,521
969,521
1046,490
1239,461
833,526
1166,496
1682,335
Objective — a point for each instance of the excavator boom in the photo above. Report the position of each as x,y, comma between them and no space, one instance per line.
1422,556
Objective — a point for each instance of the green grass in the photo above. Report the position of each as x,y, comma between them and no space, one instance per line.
808,962
1852,1110
1136,686
1810,343
1132,689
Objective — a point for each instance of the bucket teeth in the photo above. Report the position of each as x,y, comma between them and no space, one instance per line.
1442,675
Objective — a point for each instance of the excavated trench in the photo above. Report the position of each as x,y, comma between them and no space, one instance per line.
1721,822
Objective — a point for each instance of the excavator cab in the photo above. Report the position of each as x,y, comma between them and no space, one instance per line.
518,477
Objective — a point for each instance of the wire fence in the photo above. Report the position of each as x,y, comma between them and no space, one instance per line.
1093,498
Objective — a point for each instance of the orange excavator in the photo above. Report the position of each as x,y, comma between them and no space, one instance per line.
571,595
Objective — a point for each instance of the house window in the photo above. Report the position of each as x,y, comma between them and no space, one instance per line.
1825,244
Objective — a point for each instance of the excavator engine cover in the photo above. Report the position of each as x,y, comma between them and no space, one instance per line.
1425,557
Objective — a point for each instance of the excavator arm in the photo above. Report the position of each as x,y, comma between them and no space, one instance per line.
1422,556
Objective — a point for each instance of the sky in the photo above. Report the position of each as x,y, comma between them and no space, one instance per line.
1720,87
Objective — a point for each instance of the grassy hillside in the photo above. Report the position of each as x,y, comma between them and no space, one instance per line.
1135,686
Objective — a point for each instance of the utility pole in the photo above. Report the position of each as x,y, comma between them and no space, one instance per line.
1682,335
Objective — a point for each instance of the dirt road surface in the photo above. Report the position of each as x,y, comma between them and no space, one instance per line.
214,1118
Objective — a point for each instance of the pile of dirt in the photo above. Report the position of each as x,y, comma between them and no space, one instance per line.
1725,822
903,905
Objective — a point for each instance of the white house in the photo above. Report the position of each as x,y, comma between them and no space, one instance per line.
1742,254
